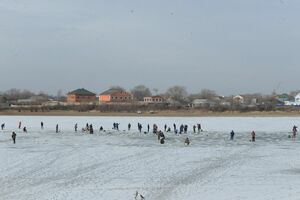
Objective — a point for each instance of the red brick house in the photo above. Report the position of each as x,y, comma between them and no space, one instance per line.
81,96
115,95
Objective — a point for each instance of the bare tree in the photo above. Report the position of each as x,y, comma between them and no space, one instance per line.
294,93
60,96
155,90
177,94
207,94
140,91
14,94
204,94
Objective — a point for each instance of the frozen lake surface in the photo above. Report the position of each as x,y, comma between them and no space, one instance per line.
114,164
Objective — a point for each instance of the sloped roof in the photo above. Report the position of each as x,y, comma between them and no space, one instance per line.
283,96
111,91
82,91
238,97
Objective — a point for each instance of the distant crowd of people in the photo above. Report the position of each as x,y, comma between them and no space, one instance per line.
183,129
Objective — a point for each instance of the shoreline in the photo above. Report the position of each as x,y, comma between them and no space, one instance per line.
179,113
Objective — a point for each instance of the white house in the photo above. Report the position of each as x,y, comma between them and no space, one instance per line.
238,99
296,102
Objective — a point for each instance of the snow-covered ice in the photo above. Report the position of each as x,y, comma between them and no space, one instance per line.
115,164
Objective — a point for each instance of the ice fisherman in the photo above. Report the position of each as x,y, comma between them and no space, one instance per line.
253,135
56,128
14,135
187,141
232,135
2,126
199,127
295,131
76,127
129,127
91,129
160,135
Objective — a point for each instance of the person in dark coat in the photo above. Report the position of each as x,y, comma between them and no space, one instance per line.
194,128
56,128
91,129
129,127
25,129
185,128
253,135
42,125
76,127
199,127
294,131
2,126
232,135
14,135
187,141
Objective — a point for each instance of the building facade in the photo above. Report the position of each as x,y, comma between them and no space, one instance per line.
115,95
81,96
154,99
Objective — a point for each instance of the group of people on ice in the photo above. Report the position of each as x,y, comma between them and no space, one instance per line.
161,137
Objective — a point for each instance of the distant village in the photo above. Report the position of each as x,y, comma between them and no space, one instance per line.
141,99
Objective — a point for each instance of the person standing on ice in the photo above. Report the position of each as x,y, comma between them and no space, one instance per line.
174,126
140,127
294,131
194,128
20,124
129,127
181,129
253,135
42,125
148,128
232,135
56,129
14,135
166,127
25,129
75,127
199,128
2,126
91,129
185,128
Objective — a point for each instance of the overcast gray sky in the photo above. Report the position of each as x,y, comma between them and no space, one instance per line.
231,46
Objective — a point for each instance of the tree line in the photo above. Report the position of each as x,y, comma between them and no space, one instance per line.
175,94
